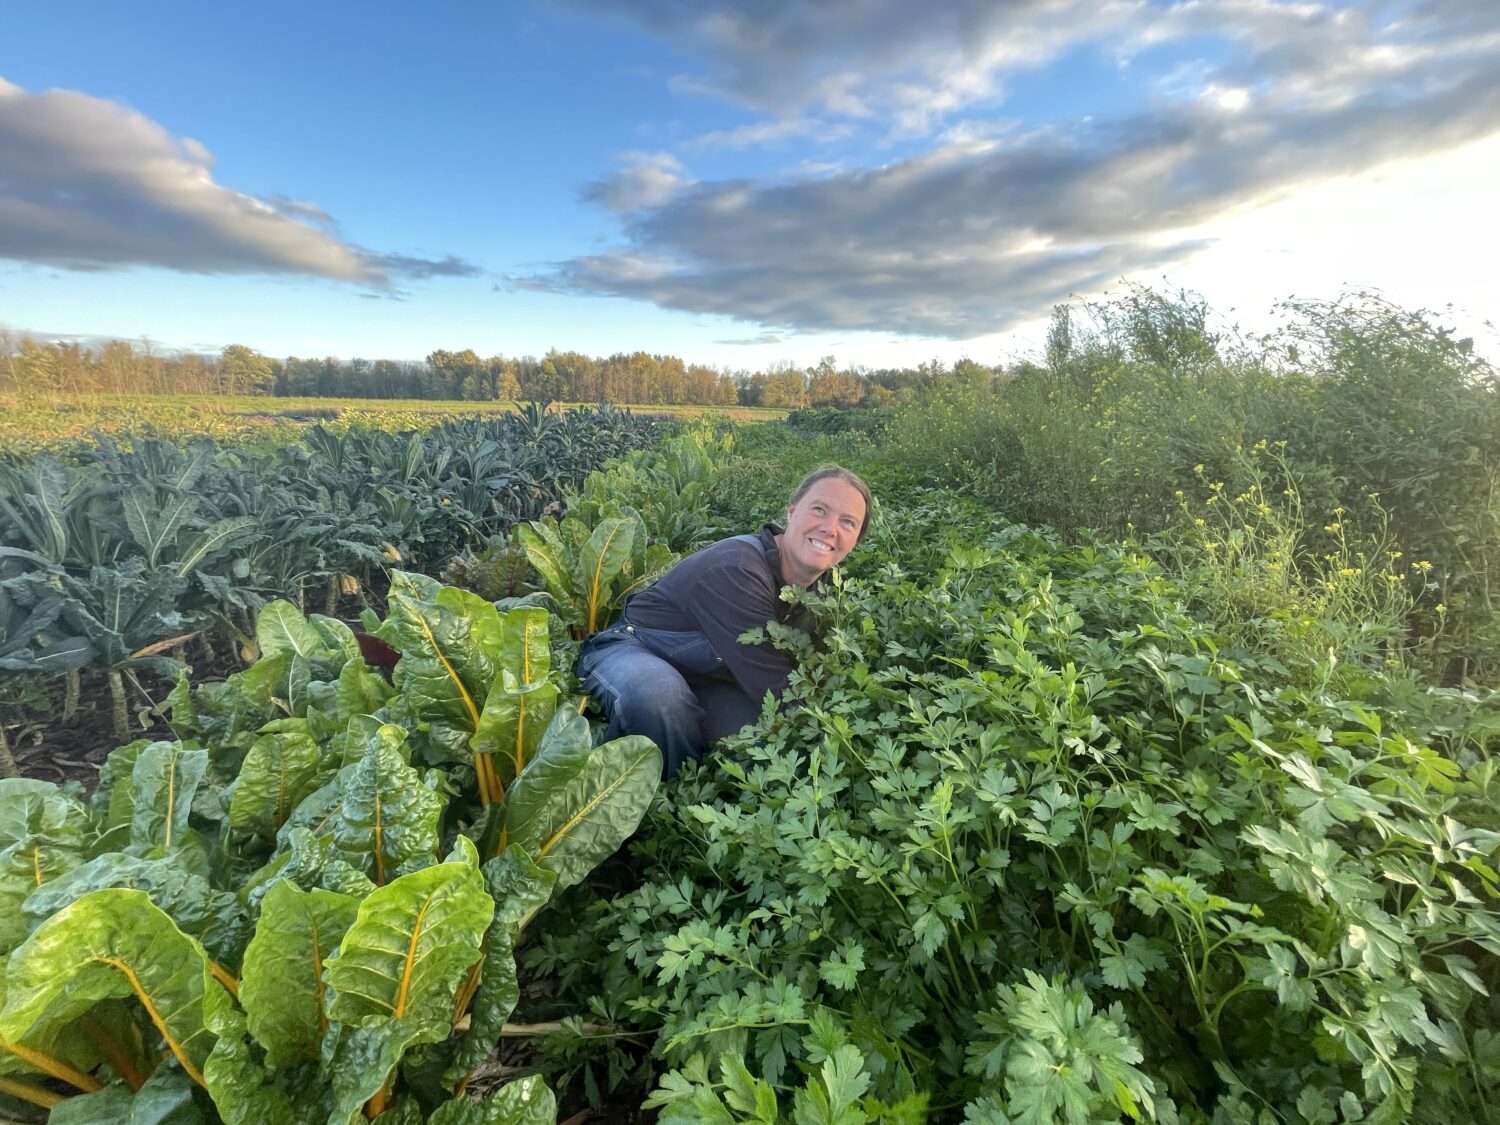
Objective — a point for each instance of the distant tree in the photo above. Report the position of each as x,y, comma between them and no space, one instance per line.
751,387
577,374
117,367
785,387
243,371
670,382
504,386
35,369
967,373
460,375
827,386
538,381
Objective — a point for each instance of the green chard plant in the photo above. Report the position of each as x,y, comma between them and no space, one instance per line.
305,908
589,569
620,531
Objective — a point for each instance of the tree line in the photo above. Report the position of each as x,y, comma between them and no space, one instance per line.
28,366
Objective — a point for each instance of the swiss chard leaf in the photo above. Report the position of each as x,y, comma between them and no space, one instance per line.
387,818
278,772
577,803
210,915
446,668
114,943
43,835
519,888
411,945
526,1101
163,781
281,984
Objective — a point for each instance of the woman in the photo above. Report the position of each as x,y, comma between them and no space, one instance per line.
672,667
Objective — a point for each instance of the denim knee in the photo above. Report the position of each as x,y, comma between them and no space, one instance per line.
643,694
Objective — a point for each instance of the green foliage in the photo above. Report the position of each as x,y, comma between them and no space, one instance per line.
292,840
667,484
130,551
1264,571
282,988
1375,410
590,569
113,943
575,804
621,530
1050,852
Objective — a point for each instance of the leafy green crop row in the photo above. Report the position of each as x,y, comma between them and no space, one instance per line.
311,894
127,554
1039,846
305,907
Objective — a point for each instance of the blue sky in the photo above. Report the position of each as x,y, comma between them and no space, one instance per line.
740,183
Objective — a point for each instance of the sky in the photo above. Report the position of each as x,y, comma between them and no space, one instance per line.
737,182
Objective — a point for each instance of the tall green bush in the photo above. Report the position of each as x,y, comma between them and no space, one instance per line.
1378,411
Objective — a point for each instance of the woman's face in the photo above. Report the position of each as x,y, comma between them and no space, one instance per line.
821,529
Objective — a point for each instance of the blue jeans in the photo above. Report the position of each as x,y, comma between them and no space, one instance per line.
669,686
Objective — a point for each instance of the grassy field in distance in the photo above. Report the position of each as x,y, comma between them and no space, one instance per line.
34,423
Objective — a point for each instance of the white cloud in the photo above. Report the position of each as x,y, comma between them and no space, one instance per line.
772,132
91,184
994,224
651,179
909,64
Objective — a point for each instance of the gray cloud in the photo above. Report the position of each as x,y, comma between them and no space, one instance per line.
650,178
89,184
893,59
991,227
300,210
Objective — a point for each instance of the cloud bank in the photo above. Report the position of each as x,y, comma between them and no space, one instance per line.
89,184
989,227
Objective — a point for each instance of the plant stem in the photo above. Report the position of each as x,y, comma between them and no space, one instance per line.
8,767
121,709
72,689
27,1093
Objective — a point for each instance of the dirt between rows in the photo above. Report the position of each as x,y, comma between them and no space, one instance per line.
46,748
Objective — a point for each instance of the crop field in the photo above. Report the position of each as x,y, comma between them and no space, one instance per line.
32,423
1183,810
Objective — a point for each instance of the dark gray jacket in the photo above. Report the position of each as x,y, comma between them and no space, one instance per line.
720,592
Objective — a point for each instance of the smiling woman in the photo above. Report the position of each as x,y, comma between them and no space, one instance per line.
672,668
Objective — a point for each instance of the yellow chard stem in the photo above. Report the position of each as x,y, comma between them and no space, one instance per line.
33,1094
